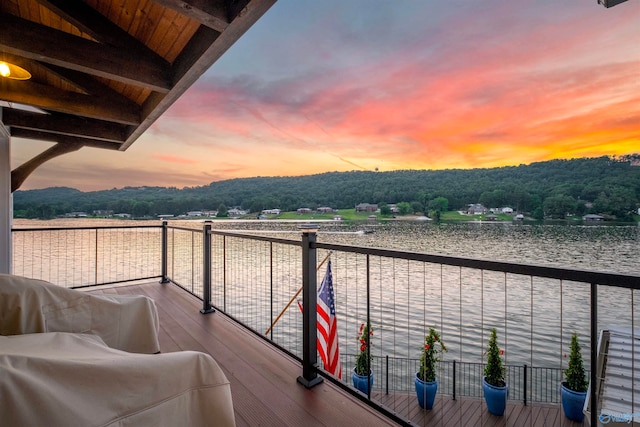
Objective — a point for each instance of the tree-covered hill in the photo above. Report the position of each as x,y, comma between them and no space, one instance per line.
603,185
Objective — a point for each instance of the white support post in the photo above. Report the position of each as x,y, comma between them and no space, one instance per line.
6,199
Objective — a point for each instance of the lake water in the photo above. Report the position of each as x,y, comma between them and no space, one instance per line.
536,316
555,311
590,247
602,248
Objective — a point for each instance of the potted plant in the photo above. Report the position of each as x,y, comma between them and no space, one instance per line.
425,379
494,386
573,391
362,374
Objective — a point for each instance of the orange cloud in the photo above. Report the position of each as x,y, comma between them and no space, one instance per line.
174,159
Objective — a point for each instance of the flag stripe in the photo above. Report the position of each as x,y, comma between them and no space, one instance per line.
328,326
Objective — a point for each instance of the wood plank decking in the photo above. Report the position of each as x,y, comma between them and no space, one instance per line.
473,412
263,379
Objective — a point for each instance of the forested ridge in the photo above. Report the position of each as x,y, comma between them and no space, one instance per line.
603,185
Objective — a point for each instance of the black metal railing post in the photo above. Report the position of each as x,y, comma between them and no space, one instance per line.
454,379
525,384
271,286
368,337
165,248
95,275
224,273
387,376
206,269
594,354
309,377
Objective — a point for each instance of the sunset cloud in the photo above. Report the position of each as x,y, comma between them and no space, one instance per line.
325,86
174,159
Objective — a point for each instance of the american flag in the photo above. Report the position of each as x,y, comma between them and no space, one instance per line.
327,326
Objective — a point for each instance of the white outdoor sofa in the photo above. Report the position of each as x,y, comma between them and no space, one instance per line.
124,322
69,358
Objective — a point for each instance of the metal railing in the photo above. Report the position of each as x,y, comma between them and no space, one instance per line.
402,294
251,278
462,379
87,256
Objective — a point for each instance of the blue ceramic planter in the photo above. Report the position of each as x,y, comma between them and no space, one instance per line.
572,403
426,392
495,397
362,382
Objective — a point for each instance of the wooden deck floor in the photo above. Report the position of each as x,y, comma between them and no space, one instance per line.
263,379
473,412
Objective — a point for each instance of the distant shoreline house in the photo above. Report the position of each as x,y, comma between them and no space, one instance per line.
326,209
593,217
271,212
476,209
302,211
393,208
366,207
234,212
76,215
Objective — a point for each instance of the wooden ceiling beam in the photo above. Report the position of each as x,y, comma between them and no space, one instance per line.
201,41
101,29
213,14
89,85
38,42
101,73
64,124
236,7
205,48
20,174
63,139
53,99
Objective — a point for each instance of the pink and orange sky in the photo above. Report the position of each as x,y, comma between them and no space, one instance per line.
334,85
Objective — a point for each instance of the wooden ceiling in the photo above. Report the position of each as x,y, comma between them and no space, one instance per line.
104,70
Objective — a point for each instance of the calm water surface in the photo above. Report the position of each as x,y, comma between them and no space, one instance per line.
591,247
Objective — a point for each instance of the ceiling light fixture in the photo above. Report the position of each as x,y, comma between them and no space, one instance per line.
12,71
